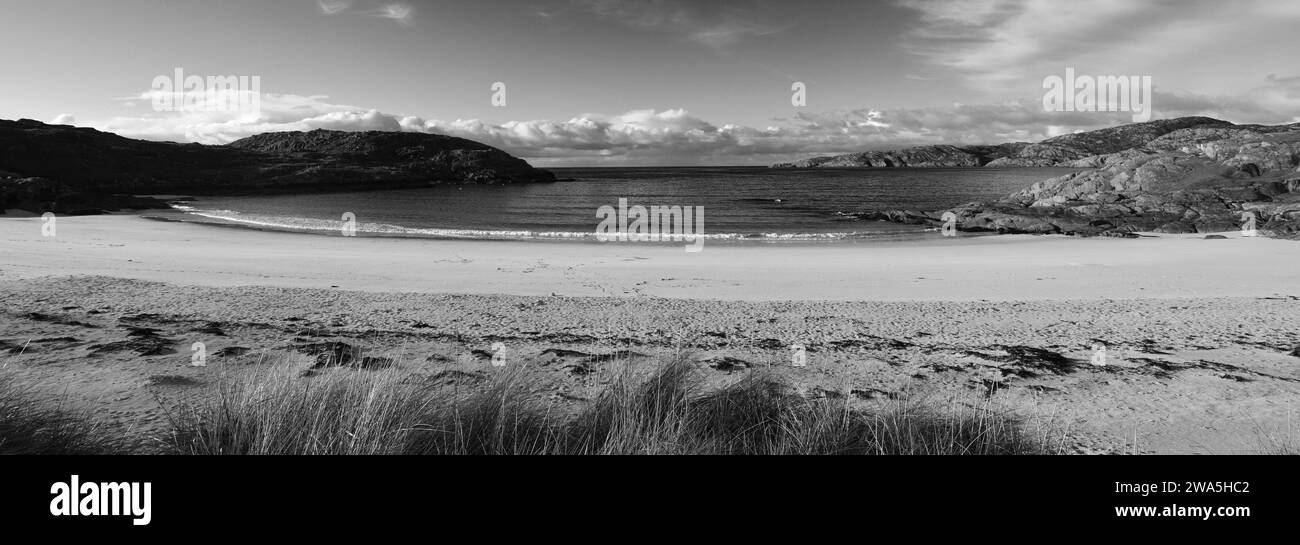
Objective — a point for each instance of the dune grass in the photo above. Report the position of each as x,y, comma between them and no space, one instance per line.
31,425
667,411
1278,441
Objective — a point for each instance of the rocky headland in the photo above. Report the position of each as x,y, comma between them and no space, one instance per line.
71,170
1064,151
1186,175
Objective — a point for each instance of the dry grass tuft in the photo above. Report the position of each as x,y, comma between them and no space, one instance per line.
666,412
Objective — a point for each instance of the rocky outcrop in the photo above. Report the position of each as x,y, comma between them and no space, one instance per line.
1192,180
919,157
79,170
1072,149
1065,150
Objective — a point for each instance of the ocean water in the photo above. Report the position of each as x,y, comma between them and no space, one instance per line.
740,203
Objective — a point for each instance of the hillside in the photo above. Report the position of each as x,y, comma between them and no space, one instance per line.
1202,178
80,170
1062,150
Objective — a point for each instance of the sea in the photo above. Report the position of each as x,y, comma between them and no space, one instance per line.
741,204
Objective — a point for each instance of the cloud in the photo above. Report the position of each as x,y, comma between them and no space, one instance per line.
676,136
996,45
1277,101
397,11
702,23
333,7
637,133
64,119
1279,95
401,13
727,33
277,112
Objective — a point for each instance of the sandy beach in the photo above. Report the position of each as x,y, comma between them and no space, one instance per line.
1000,268
1199,334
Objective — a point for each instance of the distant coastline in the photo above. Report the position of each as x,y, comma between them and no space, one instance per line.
1186,175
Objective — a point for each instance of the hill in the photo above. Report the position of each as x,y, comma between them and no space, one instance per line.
1205,177
1062,150
67,169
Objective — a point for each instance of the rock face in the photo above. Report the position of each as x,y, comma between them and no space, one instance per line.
919,157
1063,150
79,170
1202,178
1078,149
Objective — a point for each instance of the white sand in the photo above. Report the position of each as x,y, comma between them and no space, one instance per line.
1003,268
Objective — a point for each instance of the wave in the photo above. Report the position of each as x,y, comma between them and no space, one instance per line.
325,227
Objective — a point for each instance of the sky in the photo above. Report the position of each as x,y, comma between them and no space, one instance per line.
653,82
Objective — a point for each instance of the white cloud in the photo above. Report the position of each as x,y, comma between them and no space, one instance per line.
677,136
1001,45
397,11
64,119
333,7
401,13
1280,95
277,113
701,23
1276,101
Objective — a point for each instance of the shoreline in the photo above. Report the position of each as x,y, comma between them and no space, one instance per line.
423,233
